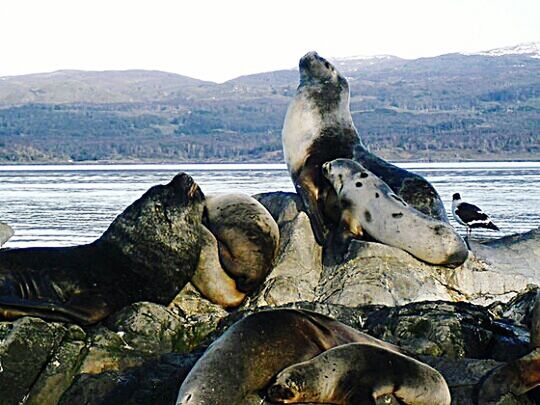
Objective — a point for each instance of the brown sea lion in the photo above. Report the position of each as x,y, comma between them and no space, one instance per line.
148,253
359,373
211,279
243,361
319,128
247,235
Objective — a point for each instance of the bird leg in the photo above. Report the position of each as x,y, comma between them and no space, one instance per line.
469,232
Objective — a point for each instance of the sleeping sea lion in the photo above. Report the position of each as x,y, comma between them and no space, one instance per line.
247,235
367,202
359,373
211,279
148,253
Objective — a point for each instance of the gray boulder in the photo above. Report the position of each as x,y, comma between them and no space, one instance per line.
297,269
6,232
25,349
373,273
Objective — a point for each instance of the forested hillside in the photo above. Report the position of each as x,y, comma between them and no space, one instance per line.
448,107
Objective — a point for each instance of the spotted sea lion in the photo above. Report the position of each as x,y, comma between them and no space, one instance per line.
211,279
318,128
247,235
358,373
243,361
369,203
148,253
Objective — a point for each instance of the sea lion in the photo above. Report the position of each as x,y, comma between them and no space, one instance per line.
369,203
148,253
210,278
318,128
243,361
359,373
248,237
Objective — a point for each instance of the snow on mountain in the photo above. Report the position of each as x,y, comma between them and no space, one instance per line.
350,64
531,49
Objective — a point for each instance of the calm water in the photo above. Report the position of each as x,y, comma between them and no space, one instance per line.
73,204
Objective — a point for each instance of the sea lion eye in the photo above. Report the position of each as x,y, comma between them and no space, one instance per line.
327,65
358,184
363,175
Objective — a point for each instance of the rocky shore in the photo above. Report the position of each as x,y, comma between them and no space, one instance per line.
464,322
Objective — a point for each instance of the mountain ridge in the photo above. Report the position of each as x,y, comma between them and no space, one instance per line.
452,106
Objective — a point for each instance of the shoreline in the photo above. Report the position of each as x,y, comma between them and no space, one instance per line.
246,163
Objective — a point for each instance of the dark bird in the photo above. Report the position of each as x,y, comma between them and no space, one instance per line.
470,215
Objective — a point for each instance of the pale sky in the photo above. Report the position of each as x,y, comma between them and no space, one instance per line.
222,39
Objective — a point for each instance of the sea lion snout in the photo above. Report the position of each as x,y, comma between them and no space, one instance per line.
314,68
280,393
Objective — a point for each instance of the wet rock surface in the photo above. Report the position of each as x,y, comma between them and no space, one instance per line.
6,232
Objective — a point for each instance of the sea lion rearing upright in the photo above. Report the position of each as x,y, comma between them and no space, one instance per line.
148,253
319,128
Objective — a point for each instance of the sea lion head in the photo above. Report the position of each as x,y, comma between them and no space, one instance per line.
159,234
324,84
298,383
346,175
315,69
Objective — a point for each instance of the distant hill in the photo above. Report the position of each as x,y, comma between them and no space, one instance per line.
75,86
454,106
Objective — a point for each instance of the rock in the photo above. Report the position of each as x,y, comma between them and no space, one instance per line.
515,255
148,328
136,334
60,370
6,232
297,269
452,330
107,350
373,273
25,348
518,309
463,375
199,317
283,206
155,382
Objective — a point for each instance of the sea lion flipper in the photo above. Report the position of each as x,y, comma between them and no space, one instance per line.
14,307
309,193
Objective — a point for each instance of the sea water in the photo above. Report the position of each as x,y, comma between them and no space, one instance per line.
62,205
